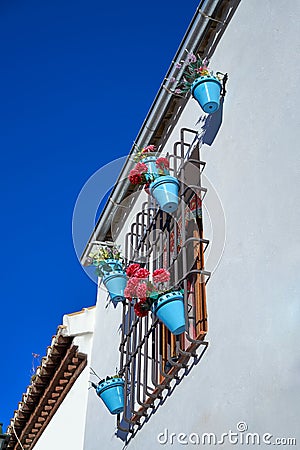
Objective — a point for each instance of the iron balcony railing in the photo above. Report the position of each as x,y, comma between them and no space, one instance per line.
152,360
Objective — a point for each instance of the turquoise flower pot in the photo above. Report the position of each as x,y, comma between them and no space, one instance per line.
207,90
165,191
169,308
115,283
109,266
112,394
150,163
114,278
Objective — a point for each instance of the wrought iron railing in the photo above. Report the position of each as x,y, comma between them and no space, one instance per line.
152,360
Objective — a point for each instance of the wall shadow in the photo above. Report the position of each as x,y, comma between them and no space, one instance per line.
129,434
212,124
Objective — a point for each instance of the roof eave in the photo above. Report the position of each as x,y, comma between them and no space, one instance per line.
191,41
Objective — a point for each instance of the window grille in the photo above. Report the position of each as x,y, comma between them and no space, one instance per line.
152,360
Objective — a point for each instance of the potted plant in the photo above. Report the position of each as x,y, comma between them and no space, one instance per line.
150,292
111,392
204,85
146,157
154,174
110,267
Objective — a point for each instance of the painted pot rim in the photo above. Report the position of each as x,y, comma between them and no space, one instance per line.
201,80
115,274
112,260
165,299
109,384
149,158
163,179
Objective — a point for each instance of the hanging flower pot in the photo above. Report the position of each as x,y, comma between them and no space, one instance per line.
165,191
152,170
200,81
206,90
111,391
115,283
169,308
114,279
110,266
153,295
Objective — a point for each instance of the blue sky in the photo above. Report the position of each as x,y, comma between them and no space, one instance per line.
76,81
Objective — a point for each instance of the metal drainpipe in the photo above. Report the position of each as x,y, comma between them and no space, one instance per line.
190,42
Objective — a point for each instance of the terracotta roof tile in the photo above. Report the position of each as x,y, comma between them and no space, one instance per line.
50,384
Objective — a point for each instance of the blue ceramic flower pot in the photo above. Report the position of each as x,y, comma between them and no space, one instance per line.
165,191
112,394
169,308
115,283
150,163
207,90
110,265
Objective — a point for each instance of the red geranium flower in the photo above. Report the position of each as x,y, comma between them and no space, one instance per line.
161,276
142,273
141,308
146,187
135,177
162,163
141,168
130,271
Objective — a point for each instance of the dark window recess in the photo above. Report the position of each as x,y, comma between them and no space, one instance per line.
152,360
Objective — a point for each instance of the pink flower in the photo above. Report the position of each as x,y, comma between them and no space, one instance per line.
130,271
141,168
161,275
162,163
141,290
133,282
191,58
127,293
149,148
131,287
142,273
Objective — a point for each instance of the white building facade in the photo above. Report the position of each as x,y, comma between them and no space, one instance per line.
232,379
52,411
248,378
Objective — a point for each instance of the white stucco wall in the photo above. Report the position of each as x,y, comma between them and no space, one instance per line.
66,429
100,424
250,371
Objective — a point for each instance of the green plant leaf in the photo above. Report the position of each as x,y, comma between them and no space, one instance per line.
105,267
154,295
